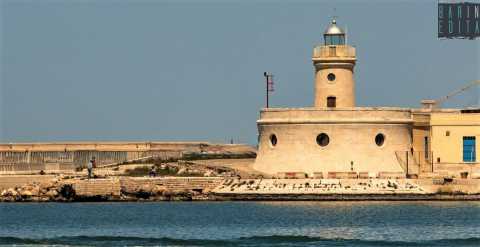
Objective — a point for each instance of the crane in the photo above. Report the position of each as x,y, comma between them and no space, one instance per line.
430,104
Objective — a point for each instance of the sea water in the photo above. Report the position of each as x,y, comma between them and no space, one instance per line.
241,224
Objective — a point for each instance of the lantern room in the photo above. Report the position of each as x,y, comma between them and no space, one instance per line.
334,35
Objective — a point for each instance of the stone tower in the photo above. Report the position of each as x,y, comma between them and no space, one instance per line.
334,63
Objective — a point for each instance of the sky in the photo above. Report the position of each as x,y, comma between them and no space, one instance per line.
193,70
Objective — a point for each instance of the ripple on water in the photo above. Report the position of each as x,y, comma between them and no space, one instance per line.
242,224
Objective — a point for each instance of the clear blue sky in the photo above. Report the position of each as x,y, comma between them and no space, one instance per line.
159,70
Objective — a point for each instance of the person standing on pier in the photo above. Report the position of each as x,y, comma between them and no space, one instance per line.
90,166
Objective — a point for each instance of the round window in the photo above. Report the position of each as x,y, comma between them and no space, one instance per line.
273,140
331,77
380,139
323,140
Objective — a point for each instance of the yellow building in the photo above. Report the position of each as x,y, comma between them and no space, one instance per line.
446,140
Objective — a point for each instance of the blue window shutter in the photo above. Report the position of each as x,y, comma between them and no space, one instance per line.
469,146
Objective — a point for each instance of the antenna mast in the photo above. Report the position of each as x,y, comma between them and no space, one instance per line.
268,86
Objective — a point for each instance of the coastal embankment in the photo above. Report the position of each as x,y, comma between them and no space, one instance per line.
71,189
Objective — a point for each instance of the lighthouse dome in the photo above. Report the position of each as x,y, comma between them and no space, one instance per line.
333,29
334,35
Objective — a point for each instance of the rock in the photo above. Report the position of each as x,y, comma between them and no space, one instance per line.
26,193
12,192
67,191
167,193
48,186
36,191
182,170
208,174
51,193
183,192
146,188
158,190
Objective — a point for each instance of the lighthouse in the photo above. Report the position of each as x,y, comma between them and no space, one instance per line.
334,63
334,136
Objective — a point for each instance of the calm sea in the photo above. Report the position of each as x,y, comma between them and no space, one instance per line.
241,224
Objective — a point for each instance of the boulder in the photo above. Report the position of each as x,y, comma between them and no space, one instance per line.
12,192
52,193
67,191
146,188
158,190
167,192
208,173
27,187
26,193
182,170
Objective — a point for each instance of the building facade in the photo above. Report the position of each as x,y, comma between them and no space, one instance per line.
336,137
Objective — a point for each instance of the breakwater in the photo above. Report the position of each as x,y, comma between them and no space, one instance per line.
70,189
66,189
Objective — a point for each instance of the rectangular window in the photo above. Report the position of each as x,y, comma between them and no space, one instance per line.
426,147
469,154
331,101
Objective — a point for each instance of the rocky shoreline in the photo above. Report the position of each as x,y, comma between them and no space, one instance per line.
65,192
139,189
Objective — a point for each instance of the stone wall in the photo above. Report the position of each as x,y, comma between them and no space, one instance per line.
121,146
173,183
31,158
97,187
351,140
7,182
116,186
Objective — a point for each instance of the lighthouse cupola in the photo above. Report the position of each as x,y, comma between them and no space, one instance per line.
334,35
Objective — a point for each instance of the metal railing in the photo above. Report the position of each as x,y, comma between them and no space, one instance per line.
415,162
334,51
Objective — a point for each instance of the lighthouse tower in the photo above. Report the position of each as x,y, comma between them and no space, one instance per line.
334,62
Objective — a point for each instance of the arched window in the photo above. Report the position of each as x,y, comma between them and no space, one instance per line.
273,140
380,139
331,101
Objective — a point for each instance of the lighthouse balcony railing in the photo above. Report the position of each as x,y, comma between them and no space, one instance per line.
334,51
